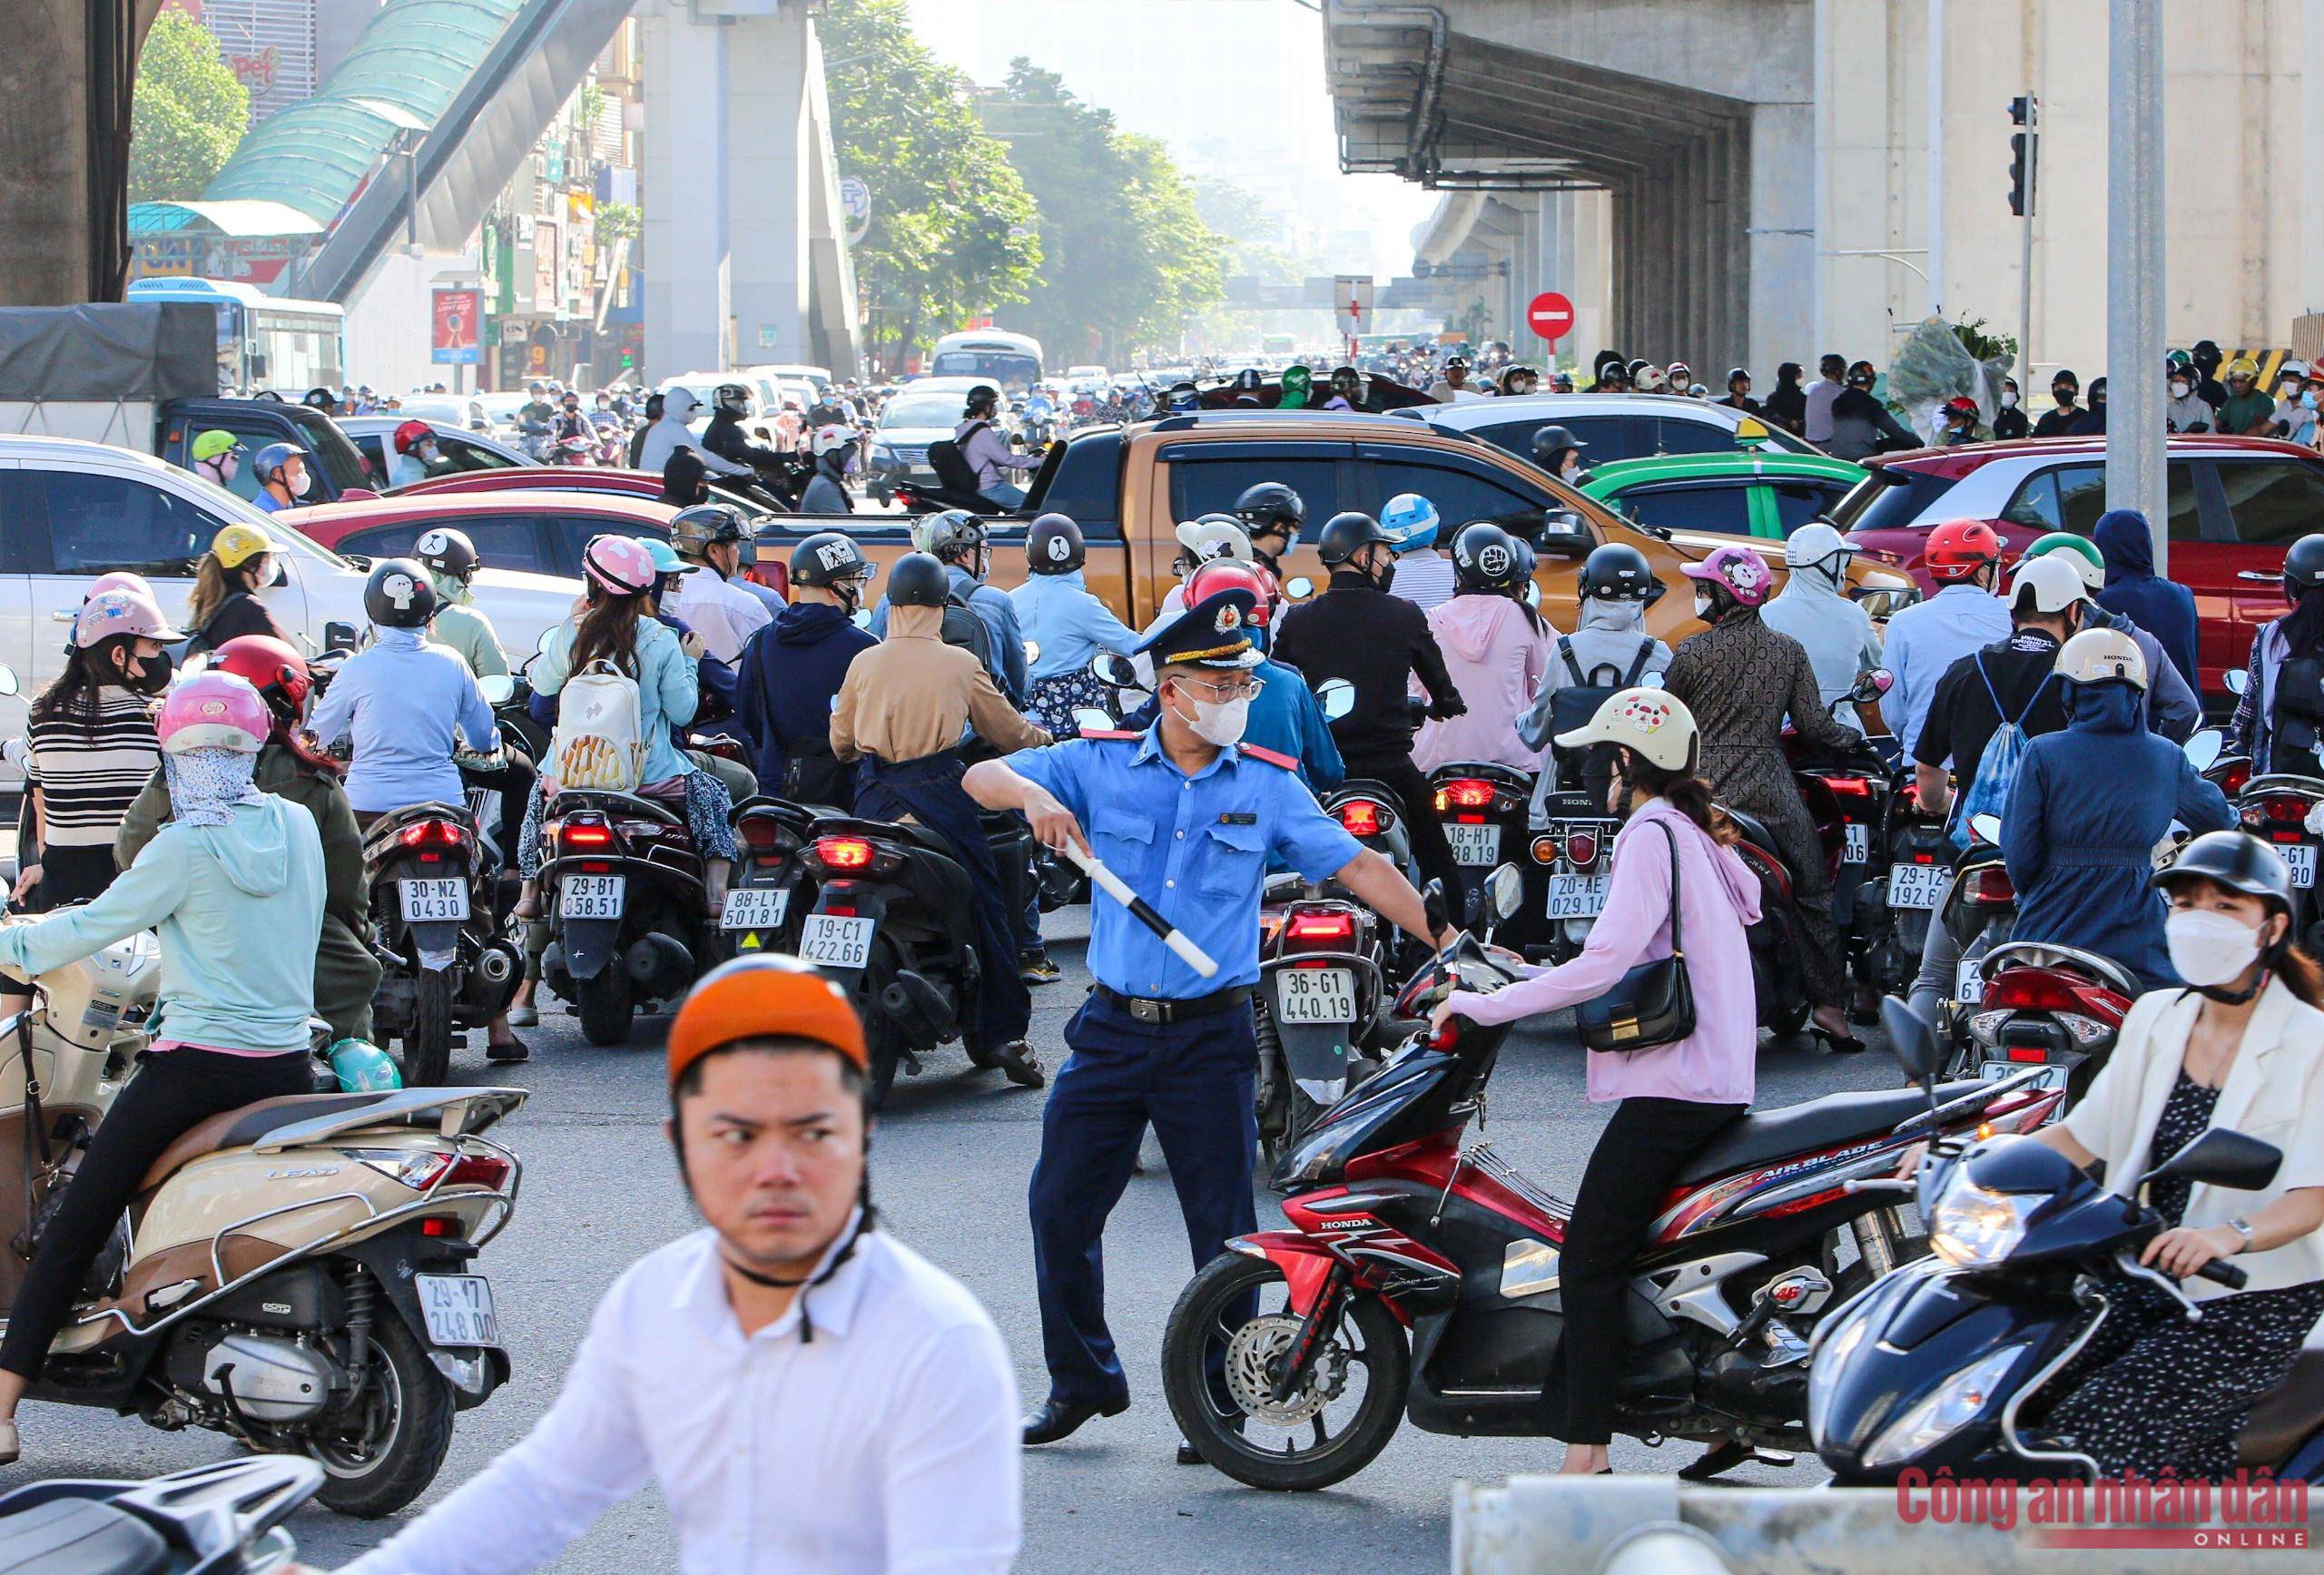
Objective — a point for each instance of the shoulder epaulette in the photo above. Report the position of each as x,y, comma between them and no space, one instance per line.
1272,756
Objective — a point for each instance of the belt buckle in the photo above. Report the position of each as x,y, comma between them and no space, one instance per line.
1149,1011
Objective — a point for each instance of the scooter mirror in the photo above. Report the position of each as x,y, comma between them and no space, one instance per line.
1987,828
2237,680
1651,680
860,618
1090,719
1877,681
1032,652
1432,897
497,690
1910,1039
546,636
1506,887
8,685
1532,595
2222,1157
1117,670
2204,749
1338,698
1299,587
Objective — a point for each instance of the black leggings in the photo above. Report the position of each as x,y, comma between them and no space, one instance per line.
1431,851
1643,1148
171,1092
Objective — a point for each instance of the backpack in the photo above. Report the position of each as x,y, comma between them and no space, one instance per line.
600,739
1574,703
953,471
964,627
1997,767
2296,722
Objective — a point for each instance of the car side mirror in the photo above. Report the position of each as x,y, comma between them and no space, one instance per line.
2222,1157
1505,888
1337,696
1564,535
1116,671
1910,1039
498,689
340,636
2204,749
8,683
2237,680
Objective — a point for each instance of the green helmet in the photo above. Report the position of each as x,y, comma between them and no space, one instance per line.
2088,561
212,443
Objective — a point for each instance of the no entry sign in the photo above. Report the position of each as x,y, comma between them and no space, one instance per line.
1550,315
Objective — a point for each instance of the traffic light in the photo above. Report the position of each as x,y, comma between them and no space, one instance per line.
2023,150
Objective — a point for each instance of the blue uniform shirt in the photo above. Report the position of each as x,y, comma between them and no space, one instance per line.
405,702
1196,848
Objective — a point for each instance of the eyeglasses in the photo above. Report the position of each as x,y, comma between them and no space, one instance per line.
1227,691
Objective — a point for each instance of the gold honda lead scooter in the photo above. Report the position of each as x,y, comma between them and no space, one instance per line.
291,1274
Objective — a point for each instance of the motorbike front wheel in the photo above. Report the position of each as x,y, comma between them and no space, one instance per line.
387,1446
607,1005
1223,1349
428,1037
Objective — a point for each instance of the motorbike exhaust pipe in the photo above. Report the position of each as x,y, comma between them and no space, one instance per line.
659,964
498,963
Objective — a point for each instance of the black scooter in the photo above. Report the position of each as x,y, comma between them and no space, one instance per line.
1942,1366
623,881
222,1519
445,965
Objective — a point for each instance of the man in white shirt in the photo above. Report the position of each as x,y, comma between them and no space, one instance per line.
810,1393
1828,387
709,599
978,437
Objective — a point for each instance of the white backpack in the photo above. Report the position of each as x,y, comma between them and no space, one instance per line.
600,741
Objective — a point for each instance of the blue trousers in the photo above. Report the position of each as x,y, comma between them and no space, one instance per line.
1193,1081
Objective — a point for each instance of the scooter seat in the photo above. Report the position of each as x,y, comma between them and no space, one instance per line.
2286,1414
1755,830
1759,1136
78,1536
243,1126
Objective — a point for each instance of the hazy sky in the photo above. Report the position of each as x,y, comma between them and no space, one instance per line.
1189,70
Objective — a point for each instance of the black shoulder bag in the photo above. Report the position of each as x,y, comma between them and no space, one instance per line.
1653,1004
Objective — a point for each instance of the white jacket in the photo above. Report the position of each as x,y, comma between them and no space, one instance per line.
1841,644
2274,1092
670,434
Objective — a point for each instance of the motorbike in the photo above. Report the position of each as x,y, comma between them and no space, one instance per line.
1944,1366
574,450
1848,794
1483,808
764,911
2056,1008
296,1273
1981,906
623,881
2286,811
1574,848
445,964
1419,1277
222,1519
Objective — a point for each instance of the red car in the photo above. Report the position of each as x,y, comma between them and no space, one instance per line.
2235,504
536,531
611,483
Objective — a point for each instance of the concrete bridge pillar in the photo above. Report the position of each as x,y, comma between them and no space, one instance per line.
64,149
686,179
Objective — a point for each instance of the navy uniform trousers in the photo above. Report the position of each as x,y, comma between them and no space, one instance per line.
1193,1080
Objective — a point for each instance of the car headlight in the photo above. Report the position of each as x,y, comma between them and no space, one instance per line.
1951,1407
884,451
1973,1228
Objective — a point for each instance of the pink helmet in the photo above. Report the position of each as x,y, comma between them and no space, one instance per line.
120,580
1740,571
620,565
111,613
213,711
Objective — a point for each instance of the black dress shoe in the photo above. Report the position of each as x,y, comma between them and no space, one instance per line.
1055,1419
1188,1454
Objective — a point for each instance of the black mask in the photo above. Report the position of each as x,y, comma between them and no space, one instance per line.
1385,576
155,678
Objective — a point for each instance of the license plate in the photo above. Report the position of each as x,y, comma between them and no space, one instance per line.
432,900
1474,844
755,908
1916,885
1856,843
458,1309
1577,896
592,896
2301,857
837,942
2052,1076
1315,995
1969,981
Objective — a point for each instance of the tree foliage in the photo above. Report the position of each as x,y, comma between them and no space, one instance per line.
951,232
1126,257
189,114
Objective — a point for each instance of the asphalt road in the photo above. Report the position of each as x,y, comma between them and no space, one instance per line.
950,1163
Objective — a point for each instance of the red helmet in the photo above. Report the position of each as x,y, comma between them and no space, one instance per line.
1961,405
1958,548
1231,574
411,435
276,671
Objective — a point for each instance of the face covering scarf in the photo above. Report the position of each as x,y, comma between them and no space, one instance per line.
205,784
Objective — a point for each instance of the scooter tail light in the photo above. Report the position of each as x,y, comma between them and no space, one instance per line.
760,832
1987,886
1581,847
1466,793
433,834
844,853
2031,990
1362,818
1325,931
573,835
2235,778
1850,787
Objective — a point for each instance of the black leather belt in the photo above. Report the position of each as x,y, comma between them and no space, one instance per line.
1176,1011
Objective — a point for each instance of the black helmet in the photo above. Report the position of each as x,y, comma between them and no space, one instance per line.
1249,380
726,397
2304,567
1054,545
917,580
695,531
445,551
983,396
827,557
1270,506
1735,372
1550,446
2237,861
1345,534
1484,559
1617,572
398,594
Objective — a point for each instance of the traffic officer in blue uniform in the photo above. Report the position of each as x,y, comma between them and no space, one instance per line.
1187,815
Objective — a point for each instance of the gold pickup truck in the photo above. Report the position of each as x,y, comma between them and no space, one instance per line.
1128,487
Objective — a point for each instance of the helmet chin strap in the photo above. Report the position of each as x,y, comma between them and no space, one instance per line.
2269,958
866,1219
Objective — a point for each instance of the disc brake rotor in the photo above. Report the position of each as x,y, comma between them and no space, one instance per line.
1256,1354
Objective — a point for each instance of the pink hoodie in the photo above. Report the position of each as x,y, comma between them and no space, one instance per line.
1715,1066
1497,658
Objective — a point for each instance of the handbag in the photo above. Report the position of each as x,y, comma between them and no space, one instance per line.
1653,1004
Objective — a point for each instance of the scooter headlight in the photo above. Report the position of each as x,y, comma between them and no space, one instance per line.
1831,1355
1952,1406
1971,1227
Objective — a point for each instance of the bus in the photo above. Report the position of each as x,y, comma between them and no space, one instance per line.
264,341
1013,361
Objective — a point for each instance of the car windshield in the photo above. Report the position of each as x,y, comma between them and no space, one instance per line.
925,410
1889,499
1007,368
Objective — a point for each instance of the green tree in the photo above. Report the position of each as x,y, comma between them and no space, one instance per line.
951,233
190,112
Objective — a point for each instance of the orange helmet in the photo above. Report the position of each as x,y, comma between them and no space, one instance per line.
1958,548
1233,574
764,997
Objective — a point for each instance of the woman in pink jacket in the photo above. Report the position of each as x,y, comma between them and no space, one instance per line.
1670,1100
1496,648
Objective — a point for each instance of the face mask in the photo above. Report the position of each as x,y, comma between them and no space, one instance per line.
429,453
154,675
2179,390
2009,398
1220,721
2307,401
302,484
2064,397
2210,948
1385,578
1702,605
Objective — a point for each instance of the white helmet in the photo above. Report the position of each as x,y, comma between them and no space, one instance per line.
1653,379
2100,656
832,437
2050,579
1814,544
1205,539
1653,722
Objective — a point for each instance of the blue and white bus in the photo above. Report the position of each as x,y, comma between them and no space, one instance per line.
1011,360
264,341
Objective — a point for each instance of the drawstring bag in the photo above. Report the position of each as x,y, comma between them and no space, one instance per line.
600,740
1997,766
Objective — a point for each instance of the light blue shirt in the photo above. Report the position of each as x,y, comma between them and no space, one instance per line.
669,689
1006,662
1924,640
403,701
1196,848
1059,614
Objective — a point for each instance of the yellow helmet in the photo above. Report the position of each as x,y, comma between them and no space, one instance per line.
2240,366
238,544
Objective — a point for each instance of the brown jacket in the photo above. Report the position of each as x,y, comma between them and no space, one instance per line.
912,695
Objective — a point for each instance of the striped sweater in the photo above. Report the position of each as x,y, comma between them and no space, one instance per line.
89,776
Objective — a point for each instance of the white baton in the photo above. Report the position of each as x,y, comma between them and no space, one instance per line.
1111,884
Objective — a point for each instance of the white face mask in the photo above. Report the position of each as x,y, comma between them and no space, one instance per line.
2008,399
2208,947
1221,721
1702,605
2179,390
302,484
